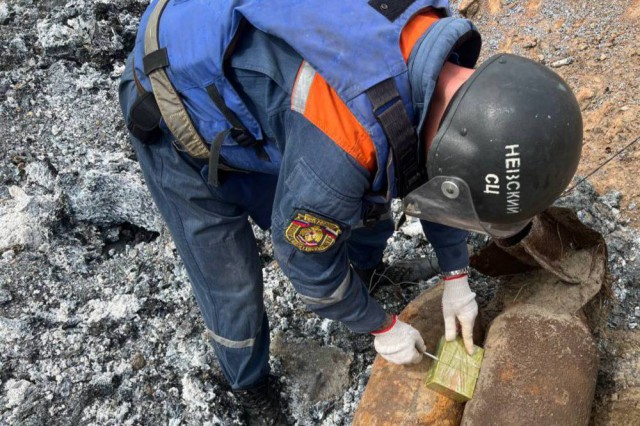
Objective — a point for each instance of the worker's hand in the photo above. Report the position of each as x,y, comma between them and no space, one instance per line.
459,302
399,343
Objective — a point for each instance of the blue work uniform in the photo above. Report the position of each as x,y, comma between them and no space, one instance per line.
214,238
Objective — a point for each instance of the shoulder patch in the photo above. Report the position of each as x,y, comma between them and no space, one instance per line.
312,234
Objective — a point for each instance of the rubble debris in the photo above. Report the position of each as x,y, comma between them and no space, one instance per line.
530,42
561,62
620,404
468,8
321,373
24,219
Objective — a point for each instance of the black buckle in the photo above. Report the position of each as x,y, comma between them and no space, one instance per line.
242,137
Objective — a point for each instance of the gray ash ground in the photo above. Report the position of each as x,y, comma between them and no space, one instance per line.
97,321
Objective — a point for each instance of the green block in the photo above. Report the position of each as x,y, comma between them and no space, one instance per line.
456,372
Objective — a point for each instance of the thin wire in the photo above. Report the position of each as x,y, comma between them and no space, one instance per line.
565,193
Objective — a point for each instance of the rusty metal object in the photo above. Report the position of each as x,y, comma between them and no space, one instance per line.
540,368
541,362
396,394
553,235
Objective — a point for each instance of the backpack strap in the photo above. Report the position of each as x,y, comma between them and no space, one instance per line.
175,114
171,106
401,135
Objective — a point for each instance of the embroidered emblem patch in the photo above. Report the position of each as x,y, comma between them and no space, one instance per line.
311,234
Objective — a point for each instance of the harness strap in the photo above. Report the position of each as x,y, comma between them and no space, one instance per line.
155,60
214,158
171,107
175,114
239,133
392,115
215,165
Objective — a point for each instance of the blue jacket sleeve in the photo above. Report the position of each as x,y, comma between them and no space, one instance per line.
318,201
450,245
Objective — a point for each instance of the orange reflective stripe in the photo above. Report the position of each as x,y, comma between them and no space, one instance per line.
414,30
320,104
323,107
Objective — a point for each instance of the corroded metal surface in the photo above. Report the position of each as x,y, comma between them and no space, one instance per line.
541,361
540,368
553,236
396,394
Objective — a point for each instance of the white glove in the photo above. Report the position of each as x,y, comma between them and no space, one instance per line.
399,343
458,301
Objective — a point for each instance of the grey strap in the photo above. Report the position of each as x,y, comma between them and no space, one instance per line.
401,135
169,102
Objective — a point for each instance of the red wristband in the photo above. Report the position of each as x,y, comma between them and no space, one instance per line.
455,277
384,330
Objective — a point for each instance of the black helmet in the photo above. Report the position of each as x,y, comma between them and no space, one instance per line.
508,145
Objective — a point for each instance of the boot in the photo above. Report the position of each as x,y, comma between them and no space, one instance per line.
261,404
413,270
402,271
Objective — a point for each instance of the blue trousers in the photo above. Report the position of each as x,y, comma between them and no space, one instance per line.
214,238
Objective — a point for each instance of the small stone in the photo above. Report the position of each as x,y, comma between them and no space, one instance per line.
5,296
138,362
468,8
4,12
16,391
8,255
636,311
602,57
561,62
633,325
585,94
18,45
530,43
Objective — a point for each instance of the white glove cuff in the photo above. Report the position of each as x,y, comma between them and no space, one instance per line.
388,328
456,288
